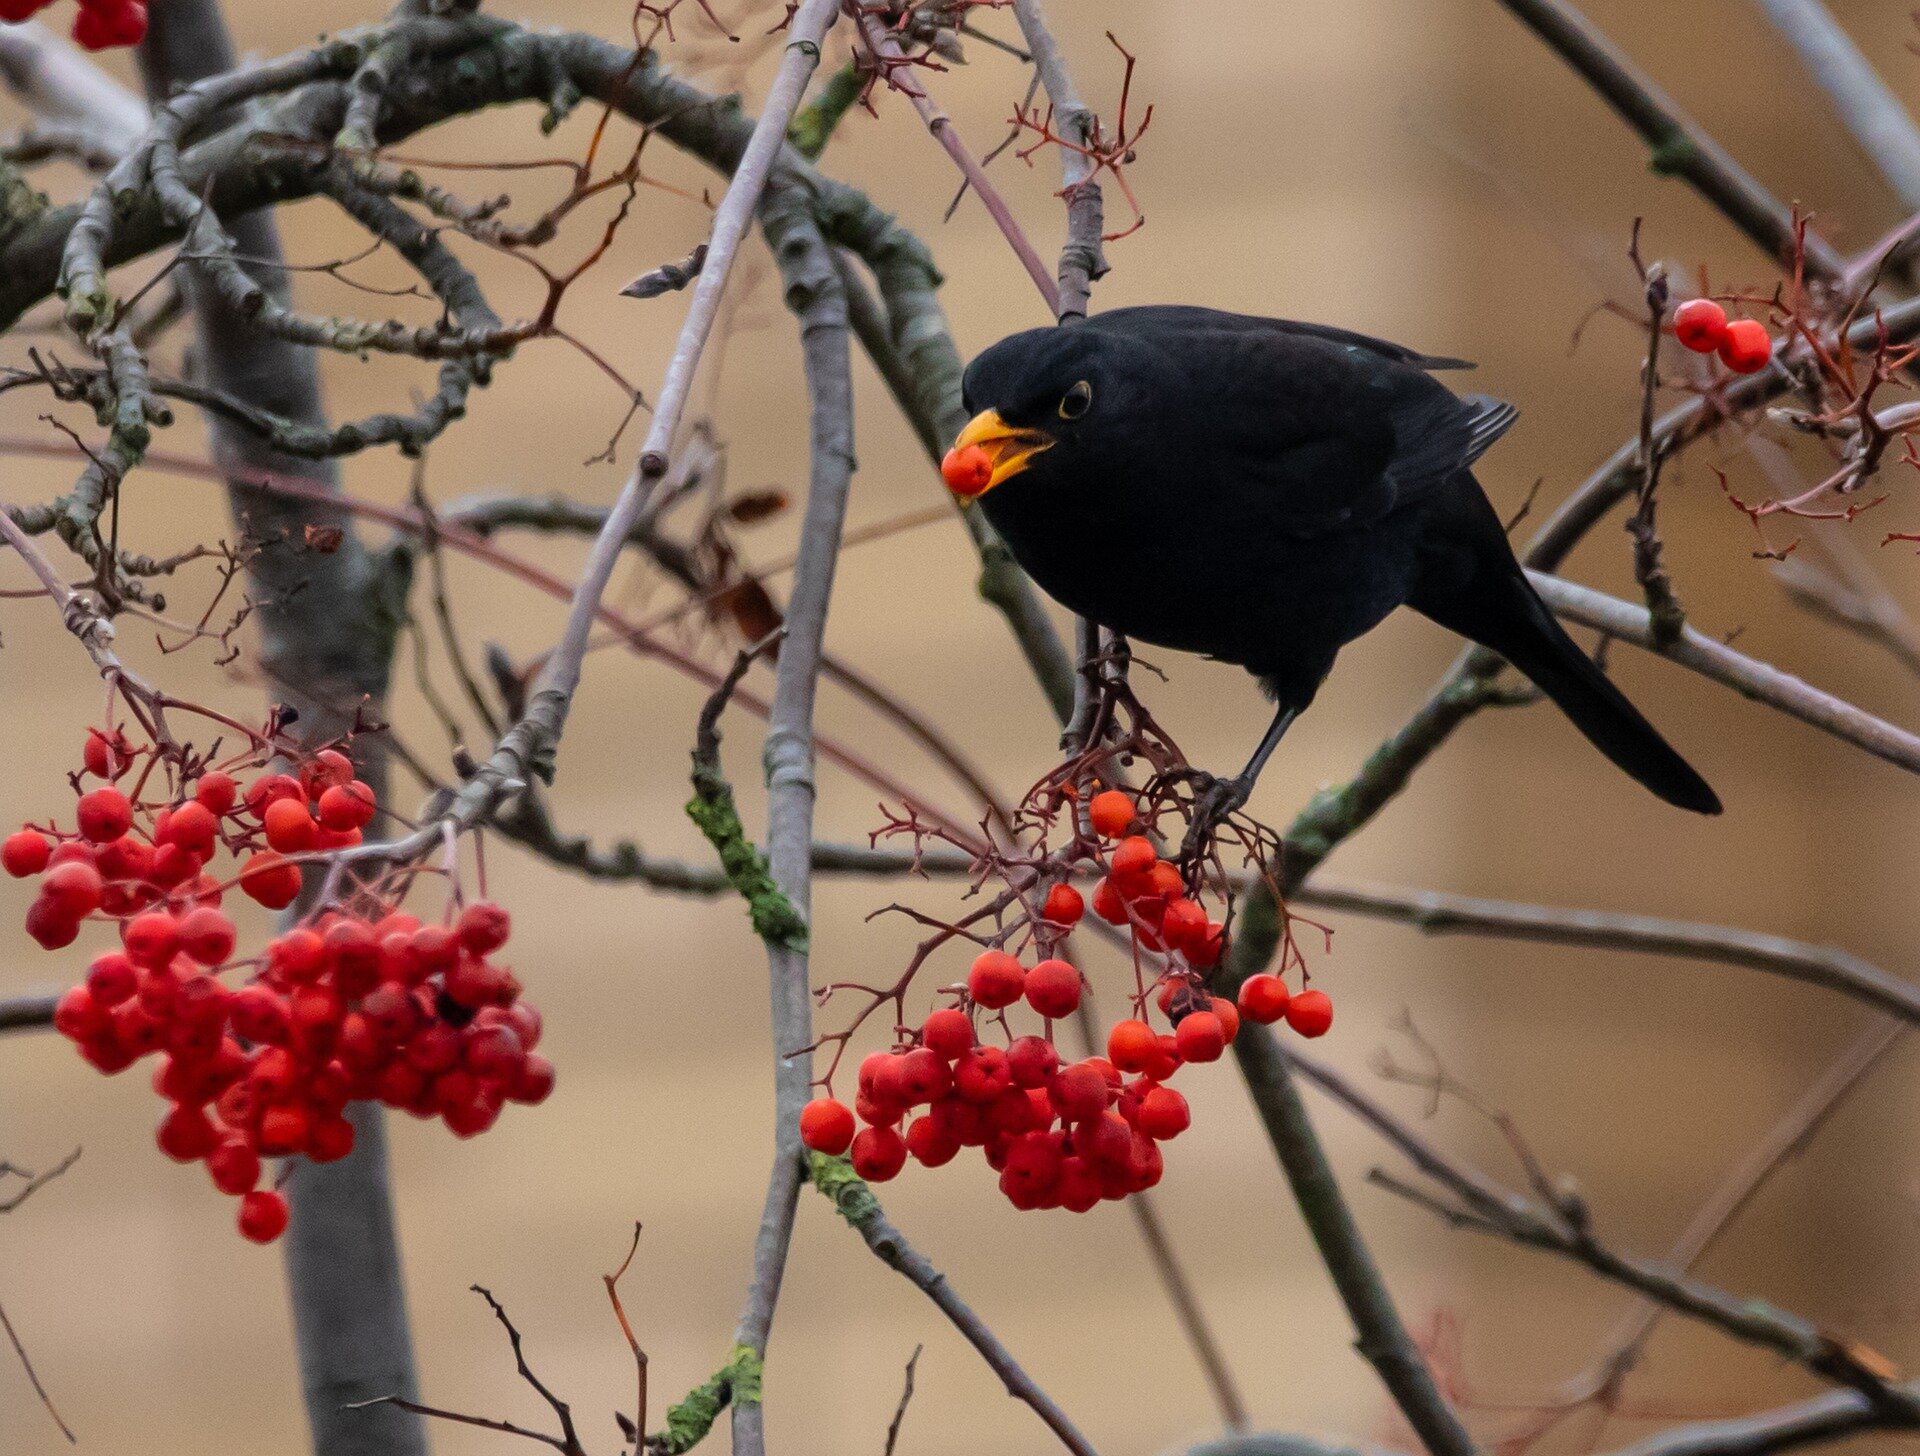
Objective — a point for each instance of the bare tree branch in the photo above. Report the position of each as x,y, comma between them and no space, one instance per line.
1868,107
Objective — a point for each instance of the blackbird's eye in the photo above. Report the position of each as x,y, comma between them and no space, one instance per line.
1076,401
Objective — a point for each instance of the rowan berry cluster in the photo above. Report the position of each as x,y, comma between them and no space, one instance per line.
1061,1134
359,1001
98,25
1743,344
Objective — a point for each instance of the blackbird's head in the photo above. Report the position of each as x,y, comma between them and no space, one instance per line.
1042,401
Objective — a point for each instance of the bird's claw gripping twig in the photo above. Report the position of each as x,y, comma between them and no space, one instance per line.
1215,800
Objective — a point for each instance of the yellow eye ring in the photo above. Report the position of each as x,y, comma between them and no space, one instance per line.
1076,401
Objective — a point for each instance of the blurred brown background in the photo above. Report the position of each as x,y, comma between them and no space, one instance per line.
1421,169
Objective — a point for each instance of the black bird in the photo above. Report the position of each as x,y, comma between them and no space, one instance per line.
1264,492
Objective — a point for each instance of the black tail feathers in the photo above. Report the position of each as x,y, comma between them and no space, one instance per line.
1540,648
1497,608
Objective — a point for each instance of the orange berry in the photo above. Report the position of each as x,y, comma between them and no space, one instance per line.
1132,1045
1263,998
967,471
1133,860
1700,324
1310,1013
1063,906
826,1125
996,980
1112,813
1200,1037
1746,348
1053,988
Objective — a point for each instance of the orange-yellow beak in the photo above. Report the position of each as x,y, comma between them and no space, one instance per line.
988,451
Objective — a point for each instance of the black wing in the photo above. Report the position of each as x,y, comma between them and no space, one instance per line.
1335,430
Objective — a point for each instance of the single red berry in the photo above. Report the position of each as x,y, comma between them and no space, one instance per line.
1079,1092
270,880
878,1153
324,770
15,11
1133,861
996,980
103,815
1053,989
298,955
1032,1061
1200,1037
1746,349
234,1165
1263,998
74,887
206,936
192,826
931,1143
948,1032
982,1074
259,1014
50,925
483,927
1163,1114
290,828
1700,324
1112,813
263,1216
186,1135
112,978
151,939
826,1125
347,806
107,758
1310,1013
968,470
25,853
1063,906
216,792
1131,1045
922,1076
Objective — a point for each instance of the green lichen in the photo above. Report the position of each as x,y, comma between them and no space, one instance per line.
813,125
848,1190
712,808
738,1381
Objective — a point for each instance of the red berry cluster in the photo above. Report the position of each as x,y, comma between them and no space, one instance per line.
351,1005
1743,345
99,25
1061,1134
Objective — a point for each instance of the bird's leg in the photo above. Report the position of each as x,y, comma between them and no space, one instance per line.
1218,798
